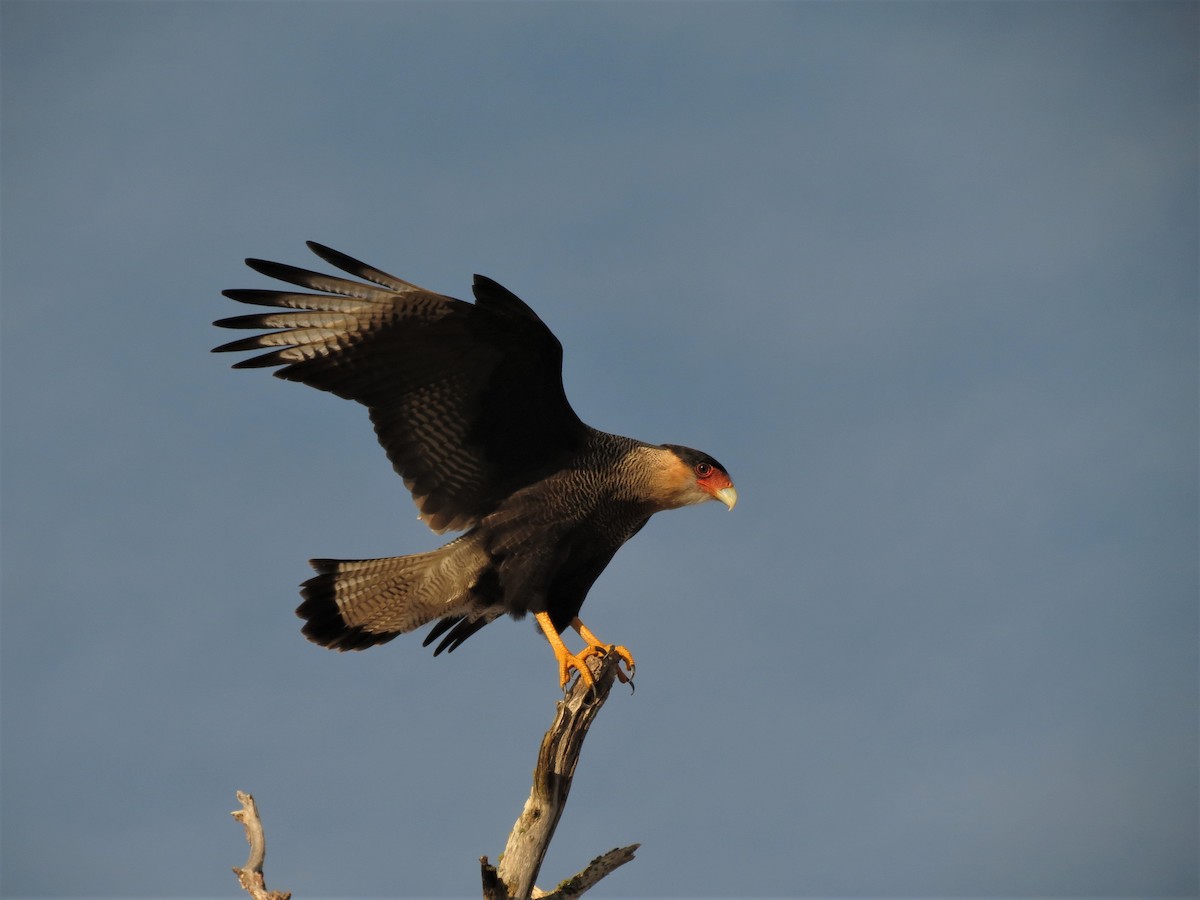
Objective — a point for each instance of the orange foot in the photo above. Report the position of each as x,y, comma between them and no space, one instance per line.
596,646
565,658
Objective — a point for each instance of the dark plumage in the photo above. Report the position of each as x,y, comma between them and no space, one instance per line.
467,400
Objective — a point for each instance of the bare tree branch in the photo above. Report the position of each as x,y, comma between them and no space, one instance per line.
250,876
575,886
513,878
580,884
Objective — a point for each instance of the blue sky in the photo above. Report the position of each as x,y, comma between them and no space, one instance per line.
922,275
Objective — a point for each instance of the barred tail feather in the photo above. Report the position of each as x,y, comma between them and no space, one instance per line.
358,603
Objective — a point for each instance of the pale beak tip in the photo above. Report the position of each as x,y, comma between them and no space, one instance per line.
728,496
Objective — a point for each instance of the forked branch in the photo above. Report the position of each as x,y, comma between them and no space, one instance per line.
513,878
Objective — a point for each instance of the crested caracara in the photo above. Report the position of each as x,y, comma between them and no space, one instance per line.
467,400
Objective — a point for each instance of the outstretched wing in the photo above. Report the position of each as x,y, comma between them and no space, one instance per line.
467,399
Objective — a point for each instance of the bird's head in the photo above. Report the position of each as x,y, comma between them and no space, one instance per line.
694,477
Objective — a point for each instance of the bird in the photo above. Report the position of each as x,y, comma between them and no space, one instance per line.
467,400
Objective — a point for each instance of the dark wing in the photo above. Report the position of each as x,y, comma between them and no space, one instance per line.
467,399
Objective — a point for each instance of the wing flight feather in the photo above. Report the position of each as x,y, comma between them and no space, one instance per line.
466,399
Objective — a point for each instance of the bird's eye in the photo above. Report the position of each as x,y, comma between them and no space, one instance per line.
703,469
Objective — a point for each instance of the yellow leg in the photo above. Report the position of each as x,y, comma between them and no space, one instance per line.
566,659
595,645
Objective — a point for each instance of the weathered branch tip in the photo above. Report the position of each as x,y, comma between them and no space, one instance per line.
250,876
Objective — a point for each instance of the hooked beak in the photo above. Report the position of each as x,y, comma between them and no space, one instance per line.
728,496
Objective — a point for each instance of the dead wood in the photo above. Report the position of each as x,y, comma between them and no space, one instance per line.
558,755
250,876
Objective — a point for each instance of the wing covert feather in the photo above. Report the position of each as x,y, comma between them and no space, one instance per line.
466,399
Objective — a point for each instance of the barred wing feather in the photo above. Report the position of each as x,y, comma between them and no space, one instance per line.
466,398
